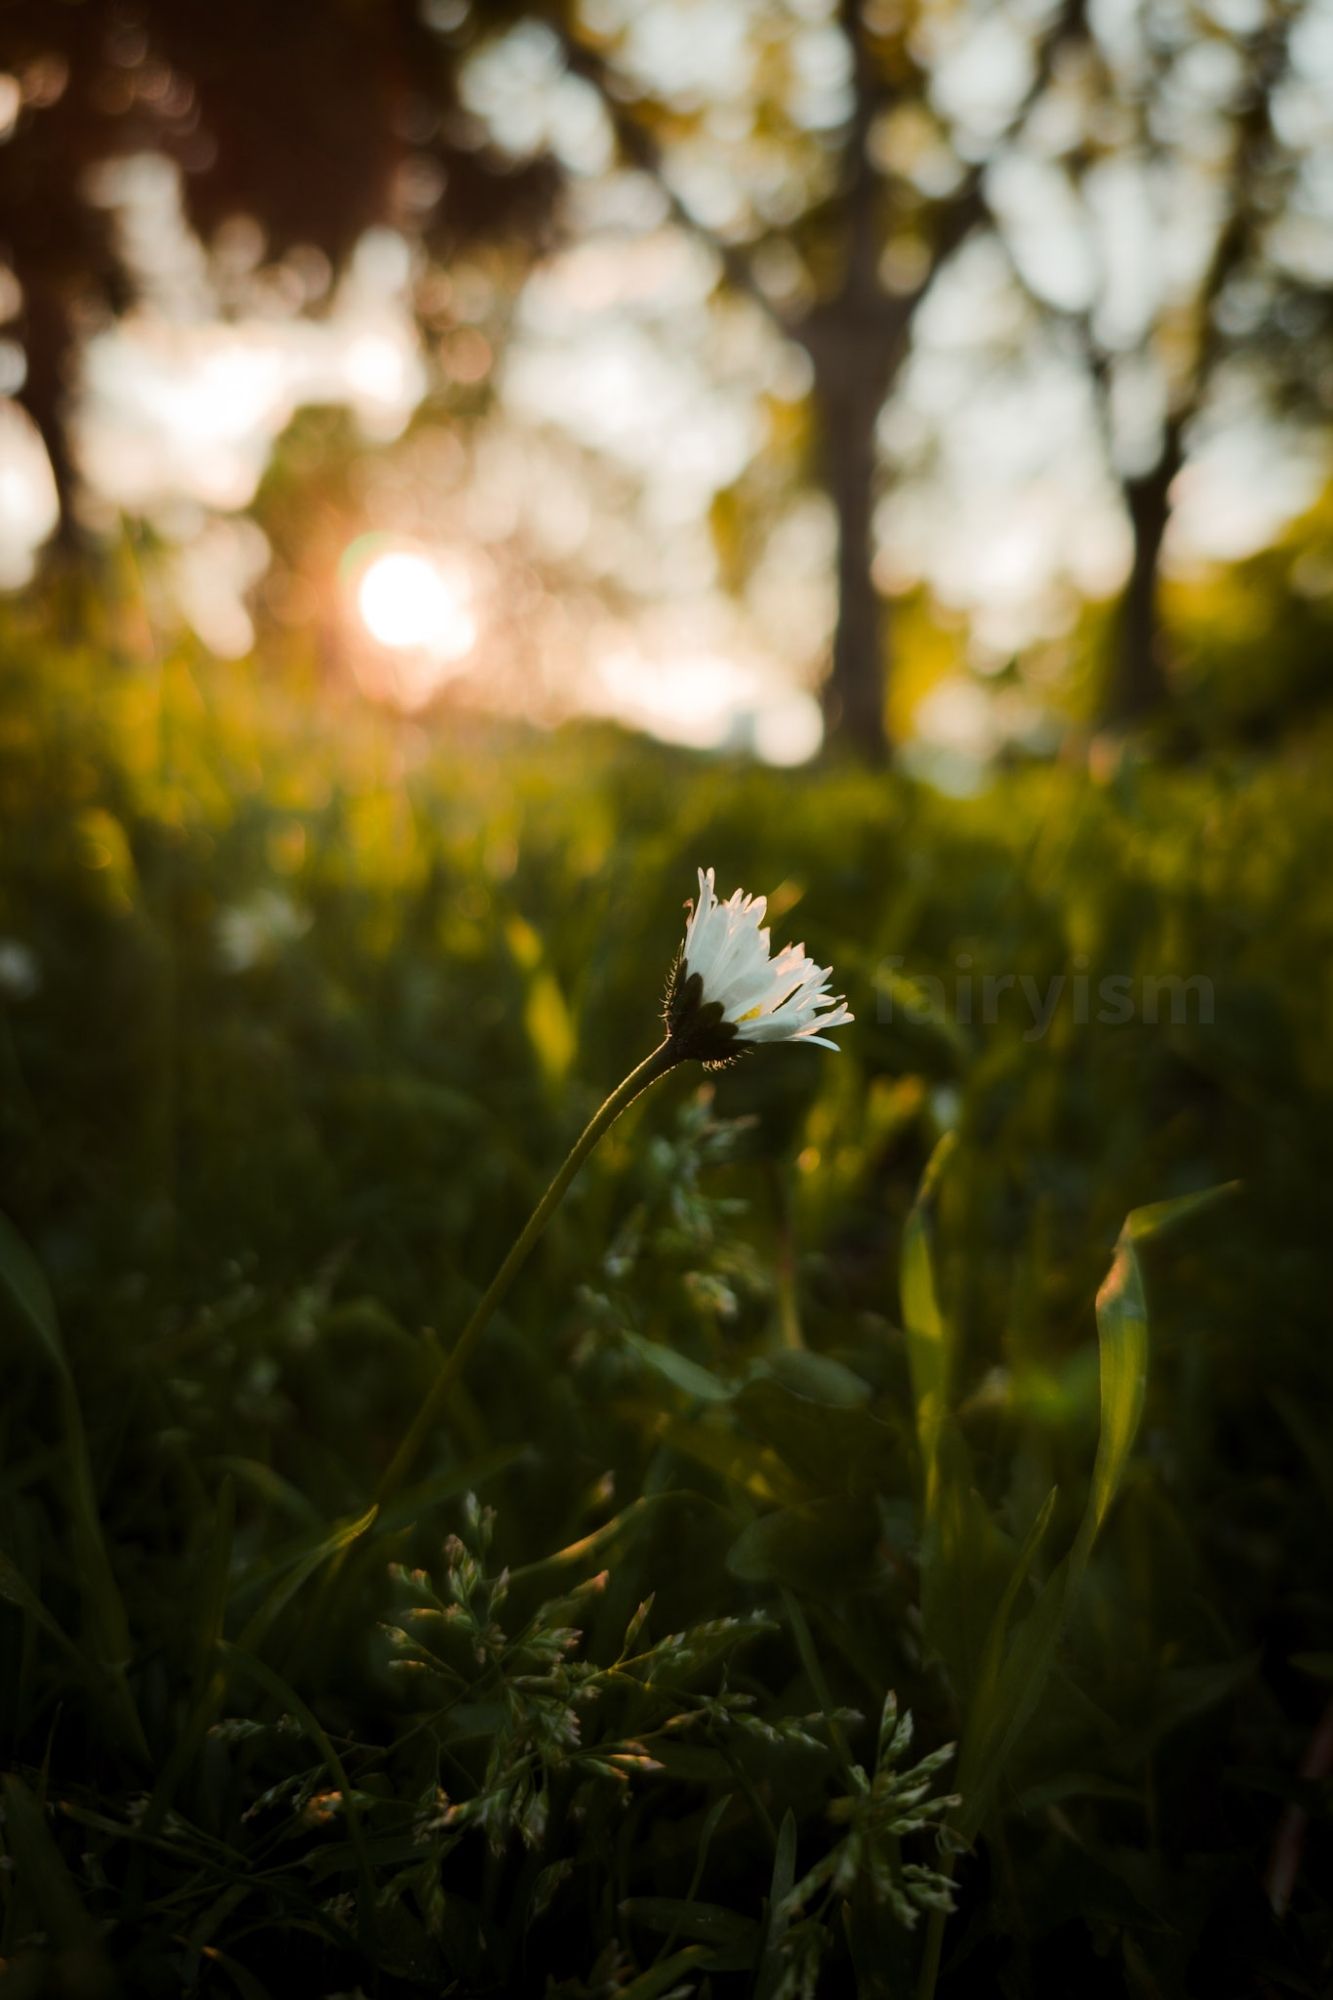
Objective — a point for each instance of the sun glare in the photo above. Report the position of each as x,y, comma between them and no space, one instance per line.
408,603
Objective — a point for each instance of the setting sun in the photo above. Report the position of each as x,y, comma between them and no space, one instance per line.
407,602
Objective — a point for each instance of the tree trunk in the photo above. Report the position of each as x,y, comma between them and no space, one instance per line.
848,405
1138,684
49,343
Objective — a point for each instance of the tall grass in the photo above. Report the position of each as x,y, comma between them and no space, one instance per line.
840,1391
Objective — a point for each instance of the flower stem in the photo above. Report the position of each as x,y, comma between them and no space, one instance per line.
934,1948
662,1060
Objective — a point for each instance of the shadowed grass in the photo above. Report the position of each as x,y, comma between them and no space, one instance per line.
780,1419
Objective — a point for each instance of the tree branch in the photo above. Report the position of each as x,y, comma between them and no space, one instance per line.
1235,239
642,150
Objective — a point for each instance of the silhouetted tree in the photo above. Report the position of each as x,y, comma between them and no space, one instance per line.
302,115
1216,180
881,204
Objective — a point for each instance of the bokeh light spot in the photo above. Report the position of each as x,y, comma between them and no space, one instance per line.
406,602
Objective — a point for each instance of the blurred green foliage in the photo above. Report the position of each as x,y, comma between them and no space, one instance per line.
301,1008
1255,638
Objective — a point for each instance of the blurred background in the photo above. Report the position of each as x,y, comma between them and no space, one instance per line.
941,379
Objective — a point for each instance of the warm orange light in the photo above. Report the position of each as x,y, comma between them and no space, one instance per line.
408,603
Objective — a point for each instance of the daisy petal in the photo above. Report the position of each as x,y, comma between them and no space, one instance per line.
744,994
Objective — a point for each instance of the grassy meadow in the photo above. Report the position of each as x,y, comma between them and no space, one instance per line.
839,1391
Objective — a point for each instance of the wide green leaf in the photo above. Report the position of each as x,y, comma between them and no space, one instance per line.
1016,1670
690,1377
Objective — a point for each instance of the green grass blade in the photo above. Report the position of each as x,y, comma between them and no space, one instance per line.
300,1572
23,1283
16,1590
281,1690
209,1625
929,1338
716,1814
205,1710
780,1888
1012,1682
661,1978
40,1869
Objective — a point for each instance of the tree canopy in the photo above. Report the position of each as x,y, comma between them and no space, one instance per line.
834,165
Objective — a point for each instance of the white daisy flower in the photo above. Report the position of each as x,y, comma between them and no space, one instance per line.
727,994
